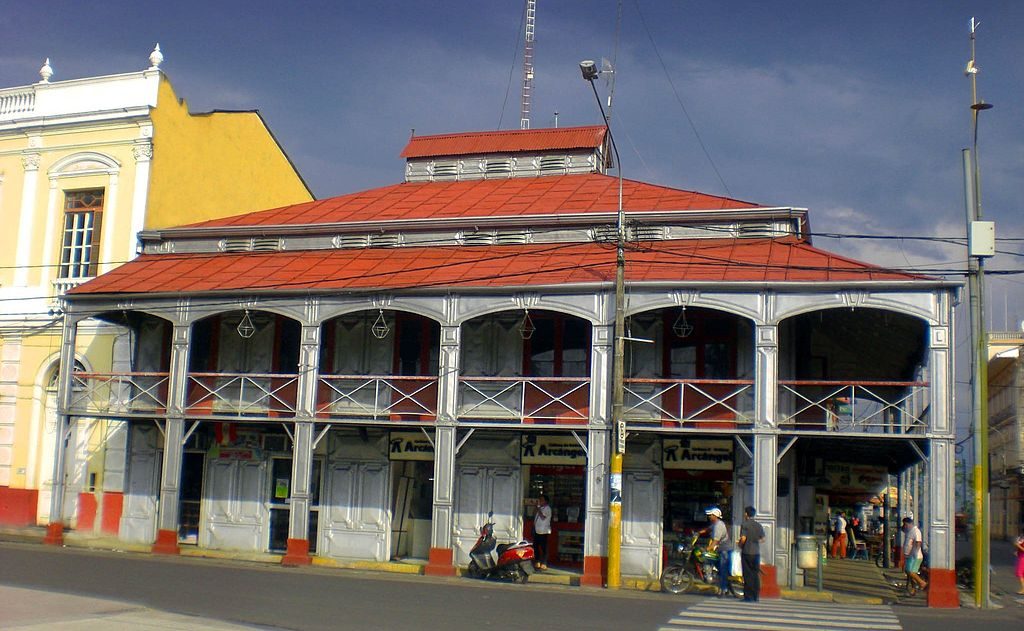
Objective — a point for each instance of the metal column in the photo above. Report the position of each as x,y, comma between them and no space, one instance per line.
55,529
442,555
174,431
297,552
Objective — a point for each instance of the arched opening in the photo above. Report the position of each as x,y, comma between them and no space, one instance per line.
689,367
530,366
859,370
244,363
379,365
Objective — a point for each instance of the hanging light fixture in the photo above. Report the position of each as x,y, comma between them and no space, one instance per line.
246,328
527,328
681,327
380,328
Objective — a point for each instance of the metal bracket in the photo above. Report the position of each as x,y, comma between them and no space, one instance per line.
782,454
463,441
920,454
160,427
743,445
320,436
188,434
583,445
291,436
430,439
66,431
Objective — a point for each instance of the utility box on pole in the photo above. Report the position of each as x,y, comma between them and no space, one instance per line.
982,239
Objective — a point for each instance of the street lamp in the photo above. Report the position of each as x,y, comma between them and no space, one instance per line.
590,72
980,244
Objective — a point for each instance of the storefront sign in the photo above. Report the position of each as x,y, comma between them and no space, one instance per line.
410,446
541,449
702,454
844,477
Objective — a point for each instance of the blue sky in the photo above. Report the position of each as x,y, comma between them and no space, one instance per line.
857,111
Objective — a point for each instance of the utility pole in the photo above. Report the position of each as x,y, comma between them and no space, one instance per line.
980,244
590,72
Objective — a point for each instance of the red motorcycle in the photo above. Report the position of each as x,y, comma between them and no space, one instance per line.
488,559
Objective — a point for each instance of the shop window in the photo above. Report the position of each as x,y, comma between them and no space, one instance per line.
83,211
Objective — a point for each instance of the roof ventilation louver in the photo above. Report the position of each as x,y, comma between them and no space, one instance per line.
386,240
267,244
552,164
512,237
445,170
477,238
604,234
498,167
234,245
342,241
647,233
762,230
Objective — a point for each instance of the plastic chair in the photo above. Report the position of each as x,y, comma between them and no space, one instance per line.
860,551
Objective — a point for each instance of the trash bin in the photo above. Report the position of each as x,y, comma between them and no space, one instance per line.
807,552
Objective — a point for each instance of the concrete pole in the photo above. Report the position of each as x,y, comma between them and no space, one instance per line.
55,528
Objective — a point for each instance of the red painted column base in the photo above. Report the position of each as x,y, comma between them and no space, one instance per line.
942,591
595,569
166,542
297,553
770,582
54,534
440,562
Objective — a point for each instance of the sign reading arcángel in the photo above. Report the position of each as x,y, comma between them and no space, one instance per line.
696,453
410,446
554,450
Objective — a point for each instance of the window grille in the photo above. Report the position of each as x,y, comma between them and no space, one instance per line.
83,211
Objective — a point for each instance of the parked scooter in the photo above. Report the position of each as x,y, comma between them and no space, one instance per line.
688,563
488,559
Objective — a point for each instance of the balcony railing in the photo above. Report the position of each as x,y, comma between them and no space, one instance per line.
560,400
706,403
234,394
104,394
884,407
377,397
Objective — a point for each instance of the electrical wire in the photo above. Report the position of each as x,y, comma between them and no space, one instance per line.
679,100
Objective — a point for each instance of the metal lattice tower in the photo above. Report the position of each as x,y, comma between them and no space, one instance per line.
531,19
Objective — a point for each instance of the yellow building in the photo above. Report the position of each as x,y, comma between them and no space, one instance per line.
86,164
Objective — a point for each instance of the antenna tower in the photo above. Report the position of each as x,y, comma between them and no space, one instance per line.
531,20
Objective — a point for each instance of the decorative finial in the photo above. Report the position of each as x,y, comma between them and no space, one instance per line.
156,58
46,71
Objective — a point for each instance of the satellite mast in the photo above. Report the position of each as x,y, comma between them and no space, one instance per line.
531,20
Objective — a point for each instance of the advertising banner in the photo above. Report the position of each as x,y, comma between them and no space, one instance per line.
554,450
410,446
708,454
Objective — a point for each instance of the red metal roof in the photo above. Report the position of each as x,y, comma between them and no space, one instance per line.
546,195
480,142
714,260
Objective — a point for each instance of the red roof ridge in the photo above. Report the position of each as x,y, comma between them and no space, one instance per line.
505,141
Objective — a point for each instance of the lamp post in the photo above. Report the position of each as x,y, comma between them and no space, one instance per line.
981,244
590,72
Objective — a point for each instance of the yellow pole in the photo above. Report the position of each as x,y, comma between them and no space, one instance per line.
615,525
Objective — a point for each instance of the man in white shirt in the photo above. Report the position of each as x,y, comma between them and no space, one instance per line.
541,530
913,553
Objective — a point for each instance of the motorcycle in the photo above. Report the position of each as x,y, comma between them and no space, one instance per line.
505,561
688,563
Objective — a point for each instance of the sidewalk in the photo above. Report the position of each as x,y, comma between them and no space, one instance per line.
30,609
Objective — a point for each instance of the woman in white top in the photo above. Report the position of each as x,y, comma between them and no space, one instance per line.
541,530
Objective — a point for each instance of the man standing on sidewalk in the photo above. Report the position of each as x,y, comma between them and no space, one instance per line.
751,536
912,553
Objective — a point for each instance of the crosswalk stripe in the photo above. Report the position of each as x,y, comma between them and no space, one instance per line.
781,616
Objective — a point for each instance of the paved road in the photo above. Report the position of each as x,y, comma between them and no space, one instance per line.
313,598
81,590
